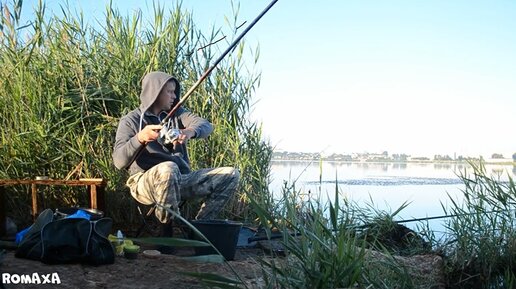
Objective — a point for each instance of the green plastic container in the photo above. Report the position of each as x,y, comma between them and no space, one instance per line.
131,251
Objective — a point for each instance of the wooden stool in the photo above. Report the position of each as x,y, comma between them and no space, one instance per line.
95,190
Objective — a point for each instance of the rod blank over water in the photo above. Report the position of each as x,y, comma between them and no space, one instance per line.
207,73
280,235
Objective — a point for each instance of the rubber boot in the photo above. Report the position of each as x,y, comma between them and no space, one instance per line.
167,231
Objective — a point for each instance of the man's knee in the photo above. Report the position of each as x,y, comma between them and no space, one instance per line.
228,172
230,183
230,180
234,174
167,168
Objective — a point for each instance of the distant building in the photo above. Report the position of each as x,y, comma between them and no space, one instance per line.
419,159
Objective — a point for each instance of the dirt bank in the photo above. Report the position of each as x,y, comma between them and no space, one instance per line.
144,272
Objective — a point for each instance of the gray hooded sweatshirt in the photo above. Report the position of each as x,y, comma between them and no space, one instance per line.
127,144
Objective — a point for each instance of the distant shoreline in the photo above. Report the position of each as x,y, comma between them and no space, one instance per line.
463,162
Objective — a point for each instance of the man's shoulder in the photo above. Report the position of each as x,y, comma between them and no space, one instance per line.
131,118
133,114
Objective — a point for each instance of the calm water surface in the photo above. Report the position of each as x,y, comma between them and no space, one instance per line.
426,187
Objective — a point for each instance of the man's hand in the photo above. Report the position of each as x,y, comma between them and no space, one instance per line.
149,133
185,135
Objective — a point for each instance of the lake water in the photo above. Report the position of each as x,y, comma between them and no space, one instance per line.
426,186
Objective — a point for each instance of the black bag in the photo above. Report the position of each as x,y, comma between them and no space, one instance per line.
67,240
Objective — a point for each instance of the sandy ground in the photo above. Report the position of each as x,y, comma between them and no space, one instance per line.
143,272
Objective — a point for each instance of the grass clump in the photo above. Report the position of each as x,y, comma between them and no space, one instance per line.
322,253
481,248
333,245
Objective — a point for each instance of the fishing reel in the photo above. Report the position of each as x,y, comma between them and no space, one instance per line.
168,136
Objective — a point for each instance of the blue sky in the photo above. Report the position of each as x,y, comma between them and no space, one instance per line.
416,77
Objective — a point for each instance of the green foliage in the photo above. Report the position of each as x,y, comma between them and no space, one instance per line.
326,242
481,249
334,245
321,253
64,85
381,232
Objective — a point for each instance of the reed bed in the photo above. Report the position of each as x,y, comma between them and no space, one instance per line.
65,83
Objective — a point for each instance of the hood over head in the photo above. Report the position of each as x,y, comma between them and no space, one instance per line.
152,84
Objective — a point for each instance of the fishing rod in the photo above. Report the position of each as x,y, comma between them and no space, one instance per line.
207,73
277,235
445,216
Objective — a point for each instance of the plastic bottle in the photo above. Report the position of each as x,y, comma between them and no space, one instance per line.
119,243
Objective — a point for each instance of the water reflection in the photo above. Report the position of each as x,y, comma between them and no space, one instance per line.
428,187
440,166
390,181
399,166
422,169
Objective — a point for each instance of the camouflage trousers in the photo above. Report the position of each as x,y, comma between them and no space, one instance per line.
164,186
